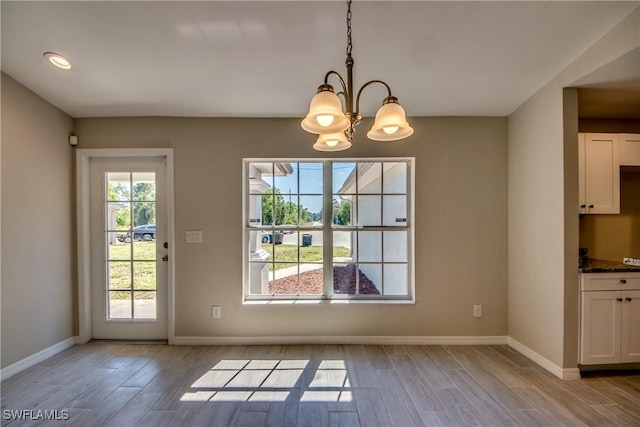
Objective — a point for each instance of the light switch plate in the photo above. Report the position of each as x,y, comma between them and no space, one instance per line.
193,236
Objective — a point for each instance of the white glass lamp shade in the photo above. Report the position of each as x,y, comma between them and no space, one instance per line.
391,122
332,142
325,114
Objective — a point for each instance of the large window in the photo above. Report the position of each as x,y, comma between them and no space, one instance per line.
328,229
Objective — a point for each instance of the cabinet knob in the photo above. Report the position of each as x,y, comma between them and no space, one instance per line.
623,281
628,299
591,206
619,299
583,206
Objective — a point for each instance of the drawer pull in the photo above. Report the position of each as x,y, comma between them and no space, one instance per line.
628,299
619,299
623,281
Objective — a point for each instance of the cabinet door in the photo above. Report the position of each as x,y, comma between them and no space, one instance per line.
629,149
600,333
582,201
602,174
630,327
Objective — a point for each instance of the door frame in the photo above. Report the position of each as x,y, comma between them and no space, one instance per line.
83,199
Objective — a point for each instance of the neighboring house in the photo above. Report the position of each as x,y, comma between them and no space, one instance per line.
378,196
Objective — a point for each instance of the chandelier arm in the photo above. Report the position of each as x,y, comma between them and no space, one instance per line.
368,84
338,76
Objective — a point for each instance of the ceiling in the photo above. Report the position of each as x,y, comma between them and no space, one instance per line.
266,59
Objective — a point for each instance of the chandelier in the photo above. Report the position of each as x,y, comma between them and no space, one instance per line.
335,128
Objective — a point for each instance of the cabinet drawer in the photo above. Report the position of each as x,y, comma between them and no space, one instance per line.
610,281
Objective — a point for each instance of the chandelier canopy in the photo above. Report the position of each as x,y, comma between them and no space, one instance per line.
335,127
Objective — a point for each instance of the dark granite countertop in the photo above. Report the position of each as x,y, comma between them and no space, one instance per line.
591,265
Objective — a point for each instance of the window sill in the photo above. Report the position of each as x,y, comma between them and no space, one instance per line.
307,302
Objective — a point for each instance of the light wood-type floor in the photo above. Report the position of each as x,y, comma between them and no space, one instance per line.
118,384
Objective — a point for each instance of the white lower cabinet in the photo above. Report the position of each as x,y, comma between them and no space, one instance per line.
610,318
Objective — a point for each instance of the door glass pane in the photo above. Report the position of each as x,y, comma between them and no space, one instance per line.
144,186
131,254
119,305
144,305
144,251
119,216
118,247
144,213
144,275
119,275
118,186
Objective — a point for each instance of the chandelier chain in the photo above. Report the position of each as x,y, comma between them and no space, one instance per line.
349,42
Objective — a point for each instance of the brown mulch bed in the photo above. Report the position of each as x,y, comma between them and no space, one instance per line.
344,282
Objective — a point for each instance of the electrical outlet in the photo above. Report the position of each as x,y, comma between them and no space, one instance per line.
632,261
477,311
215,312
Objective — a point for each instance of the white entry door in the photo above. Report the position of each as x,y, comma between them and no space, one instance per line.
128,248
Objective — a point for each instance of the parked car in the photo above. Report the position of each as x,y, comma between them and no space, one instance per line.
145,232
268,237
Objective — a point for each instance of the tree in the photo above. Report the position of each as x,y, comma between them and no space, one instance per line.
142,198
272,207
342,215
277,211
144,212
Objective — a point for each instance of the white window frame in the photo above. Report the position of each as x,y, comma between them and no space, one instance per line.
328,228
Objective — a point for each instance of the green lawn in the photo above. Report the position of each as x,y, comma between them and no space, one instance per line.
285,255
144,268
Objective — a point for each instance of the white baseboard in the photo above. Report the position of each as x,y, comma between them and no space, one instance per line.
562,373
36,358
361,340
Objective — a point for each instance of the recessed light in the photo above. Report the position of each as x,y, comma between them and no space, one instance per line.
58,60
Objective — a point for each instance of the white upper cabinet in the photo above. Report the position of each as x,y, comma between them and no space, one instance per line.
599,169
629,149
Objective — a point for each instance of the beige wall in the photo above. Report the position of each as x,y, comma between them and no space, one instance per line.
38,247
614,237
461,224
543,215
